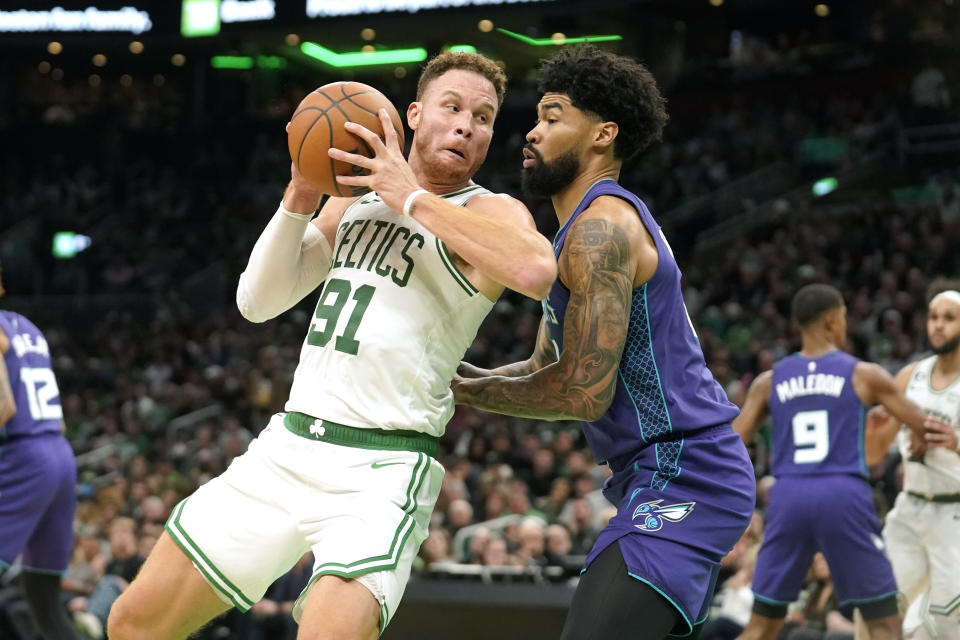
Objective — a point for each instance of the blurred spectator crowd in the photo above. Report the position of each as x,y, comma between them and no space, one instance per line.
163,383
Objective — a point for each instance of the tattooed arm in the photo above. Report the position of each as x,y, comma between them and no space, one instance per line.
543,354
8,406
596,266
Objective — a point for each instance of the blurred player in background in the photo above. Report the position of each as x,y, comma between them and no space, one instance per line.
822,500
38,475
617,350
349,470
923,528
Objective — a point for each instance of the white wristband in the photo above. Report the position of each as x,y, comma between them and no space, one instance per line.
410,198
295,216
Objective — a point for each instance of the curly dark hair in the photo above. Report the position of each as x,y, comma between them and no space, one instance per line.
449,60
615,88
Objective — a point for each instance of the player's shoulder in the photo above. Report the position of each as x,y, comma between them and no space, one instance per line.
498,204
335,206
611,208
763,382
875,375
908,370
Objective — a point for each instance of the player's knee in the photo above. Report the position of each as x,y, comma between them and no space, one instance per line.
122,623
885,628
761,628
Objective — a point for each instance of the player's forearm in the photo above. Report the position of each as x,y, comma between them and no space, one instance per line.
906,413
541,395
512,370
516,256
877,439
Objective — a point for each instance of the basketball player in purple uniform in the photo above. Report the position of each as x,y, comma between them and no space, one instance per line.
821,500
38,475
617,351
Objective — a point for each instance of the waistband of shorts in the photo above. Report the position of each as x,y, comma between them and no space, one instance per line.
7,438
946,498
618,463
334,433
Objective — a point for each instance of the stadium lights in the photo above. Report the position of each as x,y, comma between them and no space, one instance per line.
67,244
231,62
545,42
361,59
199,18
824,186
248,62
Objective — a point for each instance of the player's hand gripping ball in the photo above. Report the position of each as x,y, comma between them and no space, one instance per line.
317,125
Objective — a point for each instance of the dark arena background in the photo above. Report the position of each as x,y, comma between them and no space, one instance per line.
142,150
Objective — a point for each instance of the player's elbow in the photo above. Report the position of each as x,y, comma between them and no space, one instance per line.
590,414
537,277
595,409
7,411
250,312
250,308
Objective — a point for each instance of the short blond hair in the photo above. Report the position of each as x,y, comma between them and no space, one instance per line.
450,60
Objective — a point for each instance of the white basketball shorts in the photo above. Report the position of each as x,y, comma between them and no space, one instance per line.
923,540
360,499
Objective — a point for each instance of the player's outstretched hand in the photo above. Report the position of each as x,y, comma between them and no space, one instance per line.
387,172
939,434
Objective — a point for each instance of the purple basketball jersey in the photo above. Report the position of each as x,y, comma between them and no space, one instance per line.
817,416
38,475
663,385
34,386
682,482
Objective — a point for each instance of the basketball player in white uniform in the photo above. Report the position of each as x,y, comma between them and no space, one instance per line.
922,531
349,469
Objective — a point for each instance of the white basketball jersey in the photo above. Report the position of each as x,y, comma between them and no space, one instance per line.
393,321
939,472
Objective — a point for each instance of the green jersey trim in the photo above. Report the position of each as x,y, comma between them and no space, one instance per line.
458,276
389,560
200,560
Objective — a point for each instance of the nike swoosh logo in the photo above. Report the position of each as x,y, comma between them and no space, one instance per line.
378,465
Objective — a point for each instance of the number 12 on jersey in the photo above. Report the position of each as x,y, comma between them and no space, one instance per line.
329,313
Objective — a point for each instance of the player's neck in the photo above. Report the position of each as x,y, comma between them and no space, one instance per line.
814,345
948,364
565,202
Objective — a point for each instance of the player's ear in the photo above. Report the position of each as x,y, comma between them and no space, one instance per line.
832,318
413,115
605,133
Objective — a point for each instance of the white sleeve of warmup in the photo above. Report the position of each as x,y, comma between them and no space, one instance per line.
290,259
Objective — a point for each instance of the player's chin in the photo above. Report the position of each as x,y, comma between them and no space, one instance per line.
454,170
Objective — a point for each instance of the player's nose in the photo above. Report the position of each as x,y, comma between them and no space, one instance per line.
465,125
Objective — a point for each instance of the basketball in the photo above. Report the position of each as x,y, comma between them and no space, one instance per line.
317,125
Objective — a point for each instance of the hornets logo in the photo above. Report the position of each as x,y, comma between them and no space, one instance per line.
652,515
